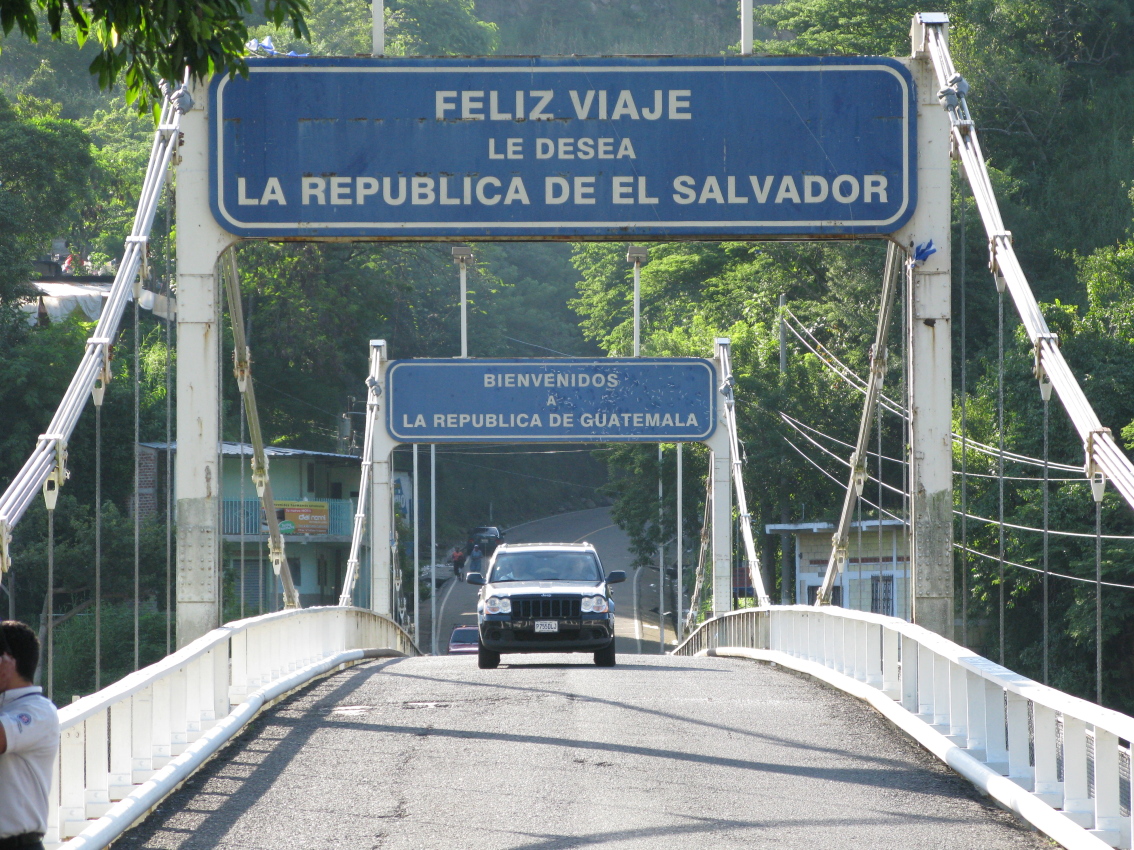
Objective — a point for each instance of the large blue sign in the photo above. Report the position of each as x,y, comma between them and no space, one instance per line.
562,148
544,400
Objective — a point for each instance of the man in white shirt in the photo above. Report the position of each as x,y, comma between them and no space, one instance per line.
29,741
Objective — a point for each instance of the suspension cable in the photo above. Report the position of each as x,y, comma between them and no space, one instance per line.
98,550
40,465
853,380
798,425
1000,453
971,551
987,520
1098,595
137,468
964,434
169,306
1046,535
51,603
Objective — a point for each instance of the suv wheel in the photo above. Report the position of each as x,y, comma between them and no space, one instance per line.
487,659
605,657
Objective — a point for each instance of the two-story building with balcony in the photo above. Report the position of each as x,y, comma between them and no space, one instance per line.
315,493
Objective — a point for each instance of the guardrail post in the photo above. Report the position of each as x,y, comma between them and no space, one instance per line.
862,664
1019,763
925,682
178,712
995,743
72,802
909,674
872,642
239,689
958,704
890,670
1108,815
97,796
119,782
1047,785
977,725
941,694
161,738
218,684
141,731
1077,804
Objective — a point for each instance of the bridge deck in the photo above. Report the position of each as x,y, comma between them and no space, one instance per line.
433,752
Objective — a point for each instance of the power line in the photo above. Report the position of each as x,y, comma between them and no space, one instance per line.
956,512
851,378
957,545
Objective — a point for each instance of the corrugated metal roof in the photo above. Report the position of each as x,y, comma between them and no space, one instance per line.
235,450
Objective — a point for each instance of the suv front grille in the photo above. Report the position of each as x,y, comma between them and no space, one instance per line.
546,607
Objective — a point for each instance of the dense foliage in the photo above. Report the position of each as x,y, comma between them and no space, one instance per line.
1052,94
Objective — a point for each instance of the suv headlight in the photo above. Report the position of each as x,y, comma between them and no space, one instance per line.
497,605
594,605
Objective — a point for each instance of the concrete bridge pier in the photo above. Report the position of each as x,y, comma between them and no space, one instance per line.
928,345
197,470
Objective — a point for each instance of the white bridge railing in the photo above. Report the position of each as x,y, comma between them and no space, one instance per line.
123,749
1060,762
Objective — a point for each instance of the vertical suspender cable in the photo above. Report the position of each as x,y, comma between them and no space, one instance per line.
416,554
858,508
906,445
677,621
168,420
878,427
661,561
964,438
1046,566
434,625
98,550
137,473
240,514
1000,454
51,604
1098,598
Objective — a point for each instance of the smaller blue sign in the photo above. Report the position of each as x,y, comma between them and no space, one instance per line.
641,399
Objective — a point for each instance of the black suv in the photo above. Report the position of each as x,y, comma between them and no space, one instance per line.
545,597
488,537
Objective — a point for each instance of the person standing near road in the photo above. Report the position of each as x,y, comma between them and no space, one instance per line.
476,559
29,741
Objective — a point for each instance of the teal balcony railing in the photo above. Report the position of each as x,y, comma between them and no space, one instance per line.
340,512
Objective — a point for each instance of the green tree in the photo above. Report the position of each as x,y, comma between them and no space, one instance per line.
143,42
45,174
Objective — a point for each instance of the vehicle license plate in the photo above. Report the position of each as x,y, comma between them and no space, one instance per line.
547,625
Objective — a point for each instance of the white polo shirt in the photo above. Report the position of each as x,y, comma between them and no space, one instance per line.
31,725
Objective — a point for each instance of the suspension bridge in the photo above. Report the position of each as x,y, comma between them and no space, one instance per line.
322,724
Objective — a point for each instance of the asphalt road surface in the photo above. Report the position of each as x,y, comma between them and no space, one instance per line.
551,751
636,623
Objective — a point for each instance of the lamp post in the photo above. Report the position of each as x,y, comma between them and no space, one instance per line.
637,255
463,257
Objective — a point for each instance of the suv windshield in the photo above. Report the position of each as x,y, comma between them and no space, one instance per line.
545,566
